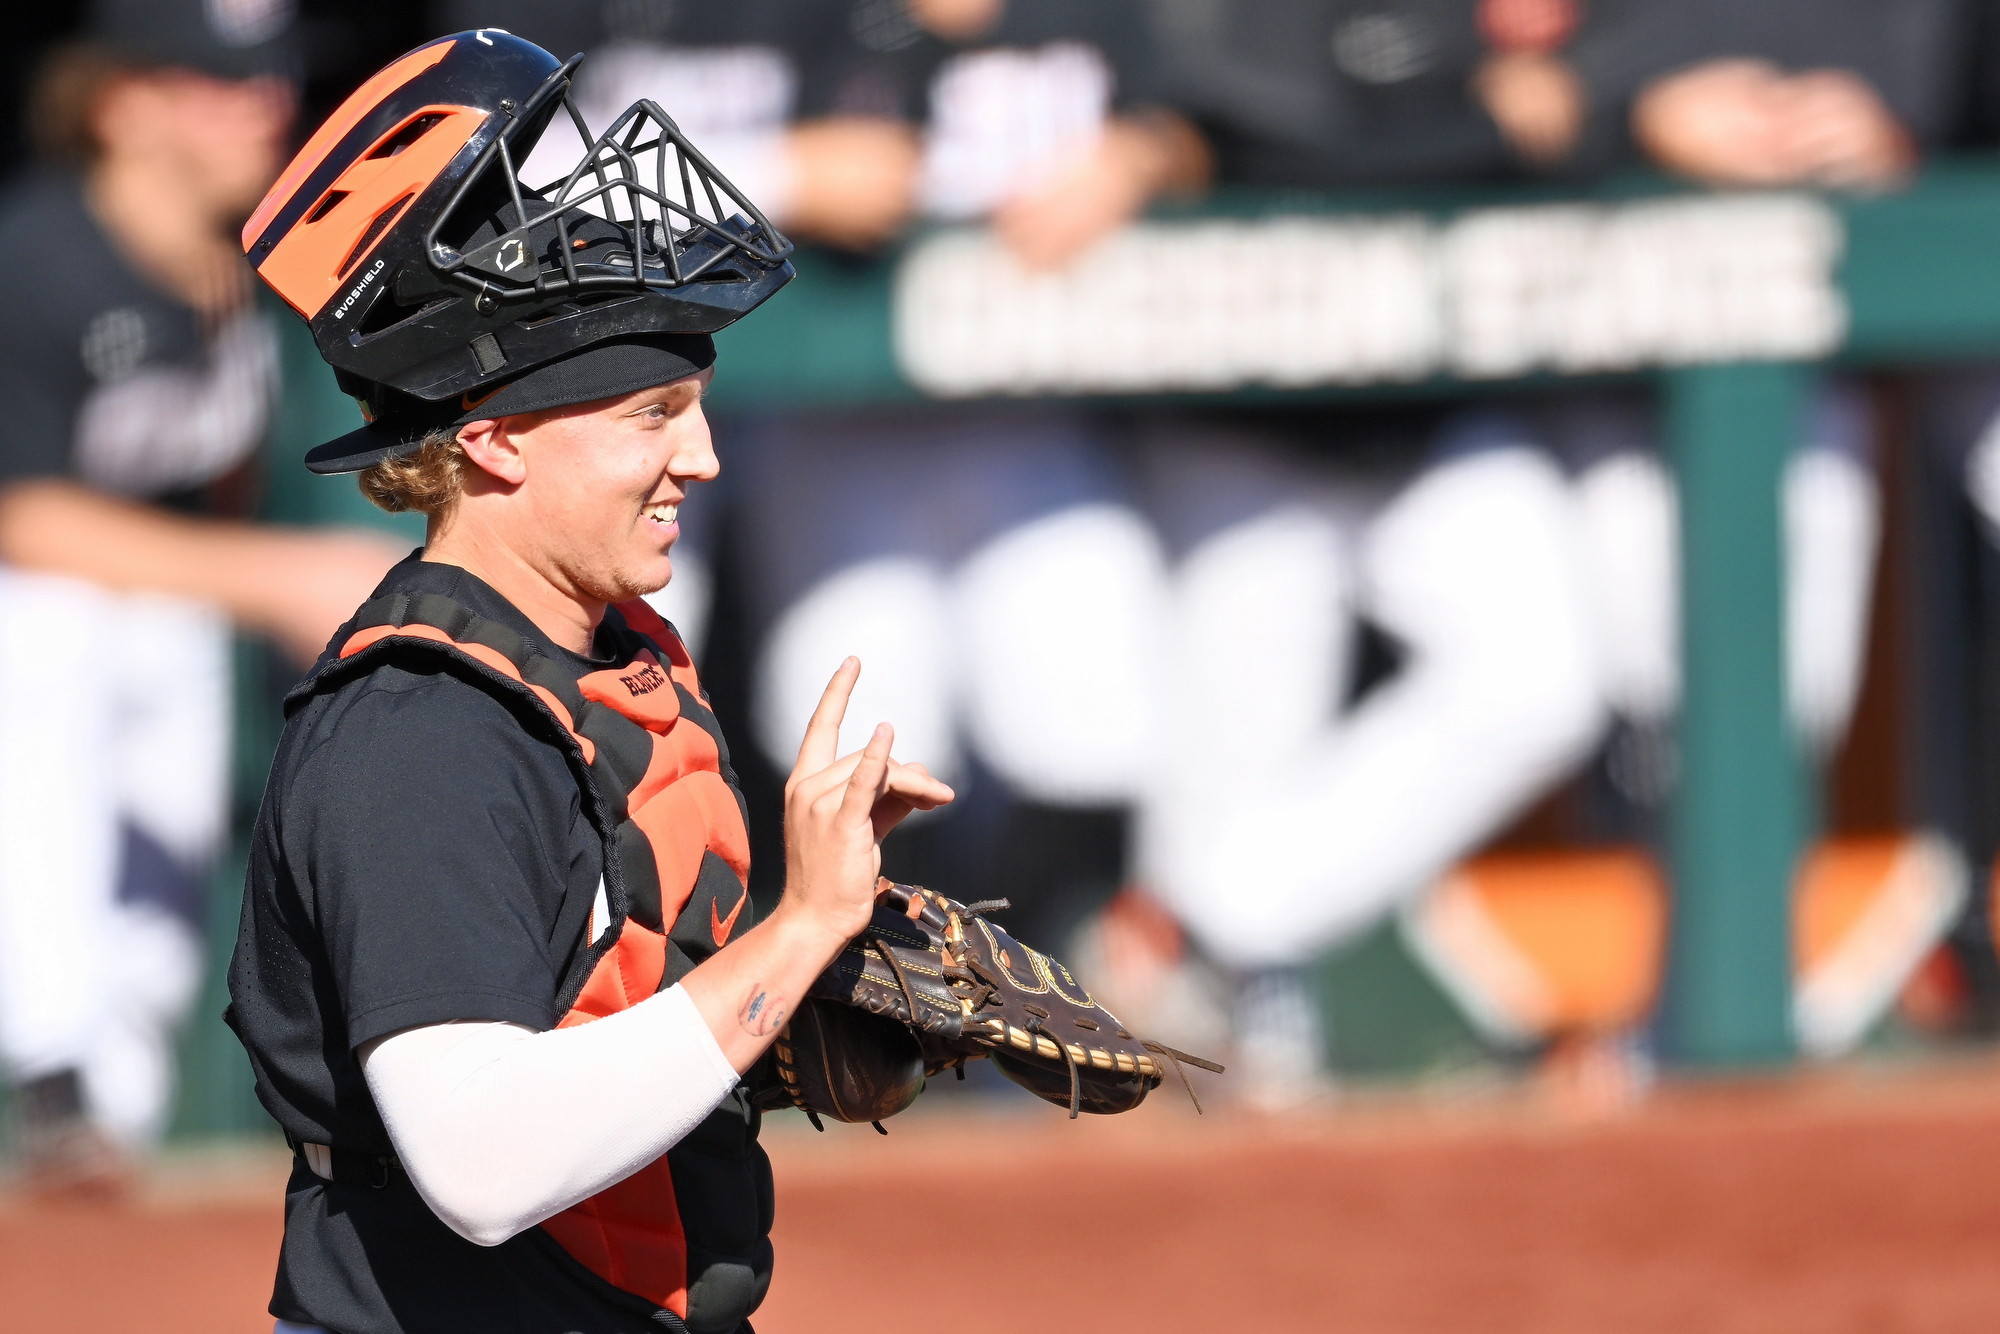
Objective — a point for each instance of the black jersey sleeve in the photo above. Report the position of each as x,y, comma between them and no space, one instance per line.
439,842
38,401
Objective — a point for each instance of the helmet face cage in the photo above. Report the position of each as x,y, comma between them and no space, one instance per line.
679,216
427,268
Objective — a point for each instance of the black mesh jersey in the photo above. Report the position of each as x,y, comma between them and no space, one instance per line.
107,379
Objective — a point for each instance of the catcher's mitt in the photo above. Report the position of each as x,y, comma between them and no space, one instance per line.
834,1060
954,987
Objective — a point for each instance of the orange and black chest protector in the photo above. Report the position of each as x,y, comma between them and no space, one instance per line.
690,1231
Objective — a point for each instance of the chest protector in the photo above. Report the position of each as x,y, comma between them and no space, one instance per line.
689,1232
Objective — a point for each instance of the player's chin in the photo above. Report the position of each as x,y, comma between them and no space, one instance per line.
635,574
649,575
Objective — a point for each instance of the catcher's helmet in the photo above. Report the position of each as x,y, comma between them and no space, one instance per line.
430,273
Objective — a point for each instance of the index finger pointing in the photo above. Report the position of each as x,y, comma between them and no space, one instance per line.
822,739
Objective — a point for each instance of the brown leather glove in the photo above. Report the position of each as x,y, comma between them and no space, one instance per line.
834,1060
954,987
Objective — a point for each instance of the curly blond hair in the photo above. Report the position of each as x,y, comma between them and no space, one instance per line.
428,482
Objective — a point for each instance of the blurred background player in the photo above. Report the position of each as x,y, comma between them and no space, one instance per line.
1516,631
989,556
1827,93
137,378
1390,598
1840,94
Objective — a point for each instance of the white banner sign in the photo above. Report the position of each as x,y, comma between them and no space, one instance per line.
1298,301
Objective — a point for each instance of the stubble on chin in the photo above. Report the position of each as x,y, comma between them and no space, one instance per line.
615,586
614,582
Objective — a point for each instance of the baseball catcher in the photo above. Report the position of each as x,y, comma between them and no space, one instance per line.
497,971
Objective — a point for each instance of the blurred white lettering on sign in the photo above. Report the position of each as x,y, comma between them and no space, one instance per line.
1295,301
1206,305
1657,282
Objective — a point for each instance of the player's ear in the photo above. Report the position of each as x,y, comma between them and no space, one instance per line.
491,448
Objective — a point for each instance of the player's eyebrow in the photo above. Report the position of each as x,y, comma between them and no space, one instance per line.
665,395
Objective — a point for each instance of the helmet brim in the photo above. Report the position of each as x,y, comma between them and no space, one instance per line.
359,450
591,375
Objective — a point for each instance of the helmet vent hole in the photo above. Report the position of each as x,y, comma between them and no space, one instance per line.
406,136
326,205
375,229
388,311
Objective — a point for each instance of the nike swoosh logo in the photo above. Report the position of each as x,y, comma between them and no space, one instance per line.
721,926
469,403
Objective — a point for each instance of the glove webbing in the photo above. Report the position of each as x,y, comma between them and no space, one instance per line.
989,987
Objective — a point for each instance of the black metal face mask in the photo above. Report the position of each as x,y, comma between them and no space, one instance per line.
426,266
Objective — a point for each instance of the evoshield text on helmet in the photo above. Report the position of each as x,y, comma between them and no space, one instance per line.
425,266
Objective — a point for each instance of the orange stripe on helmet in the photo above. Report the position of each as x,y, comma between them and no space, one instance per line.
358,104
329,246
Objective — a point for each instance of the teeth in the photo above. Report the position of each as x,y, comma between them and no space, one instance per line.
664,513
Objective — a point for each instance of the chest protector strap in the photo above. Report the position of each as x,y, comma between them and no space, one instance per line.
657,785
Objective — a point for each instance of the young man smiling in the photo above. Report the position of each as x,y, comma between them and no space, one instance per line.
482,970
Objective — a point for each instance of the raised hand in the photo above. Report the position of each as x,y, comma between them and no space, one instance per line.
838,810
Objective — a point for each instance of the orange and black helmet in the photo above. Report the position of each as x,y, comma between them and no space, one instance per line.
434,277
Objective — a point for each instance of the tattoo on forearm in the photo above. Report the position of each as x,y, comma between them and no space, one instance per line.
762,1015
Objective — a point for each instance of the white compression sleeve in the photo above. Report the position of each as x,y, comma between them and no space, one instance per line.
501,1127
